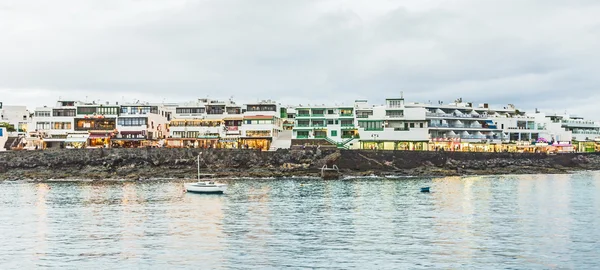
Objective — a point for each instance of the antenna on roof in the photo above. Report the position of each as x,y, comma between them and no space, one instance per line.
401,94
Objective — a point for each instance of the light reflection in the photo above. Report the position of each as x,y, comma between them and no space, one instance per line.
41,207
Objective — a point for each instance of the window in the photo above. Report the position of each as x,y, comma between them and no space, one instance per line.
42,125
189,110
108,110
334,133
129,122
412,125
318,111
63,112
86,110
330,111
61,125
421,125
371,125
330,122
394,113
42,114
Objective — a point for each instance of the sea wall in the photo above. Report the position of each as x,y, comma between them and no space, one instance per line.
181,163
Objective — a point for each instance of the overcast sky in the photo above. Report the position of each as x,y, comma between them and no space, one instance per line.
532,53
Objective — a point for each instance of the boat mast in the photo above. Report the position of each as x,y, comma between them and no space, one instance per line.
198,167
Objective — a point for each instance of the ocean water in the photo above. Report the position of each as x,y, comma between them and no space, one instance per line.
509,222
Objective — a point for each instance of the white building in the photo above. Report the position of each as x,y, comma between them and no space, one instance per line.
581,129
393,126
206,123
335,124
52,125
17,117
262,125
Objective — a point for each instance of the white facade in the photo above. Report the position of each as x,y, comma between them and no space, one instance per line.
261,120
53,124
391,122
580,129
142,122
206,119
3,138
16,116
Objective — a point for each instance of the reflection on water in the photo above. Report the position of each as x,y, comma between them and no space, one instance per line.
535,221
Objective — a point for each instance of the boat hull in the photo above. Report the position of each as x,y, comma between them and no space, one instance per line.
203,189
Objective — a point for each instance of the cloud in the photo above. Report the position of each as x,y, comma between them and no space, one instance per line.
532,53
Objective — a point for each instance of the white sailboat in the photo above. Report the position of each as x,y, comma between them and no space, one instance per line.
205,186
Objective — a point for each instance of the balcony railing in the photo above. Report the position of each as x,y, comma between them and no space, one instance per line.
374,129
455,125
303,115
450,115
322,136
362,116
302,125
346,114
318,115
401,129
302,136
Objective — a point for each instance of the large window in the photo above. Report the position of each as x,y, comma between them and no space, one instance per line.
136,109
129,122
95,124
189,110
371,125
61,125
394,113
258,133
261,108
108,110
86,110
42,125
42,114
63,112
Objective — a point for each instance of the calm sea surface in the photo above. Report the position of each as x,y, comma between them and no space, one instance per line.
524,222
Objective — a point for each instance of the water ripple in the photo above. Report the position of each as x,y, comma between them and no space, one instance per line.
512,222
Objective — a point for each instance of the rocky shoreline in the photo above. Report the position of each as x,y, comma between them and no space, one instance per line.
174,164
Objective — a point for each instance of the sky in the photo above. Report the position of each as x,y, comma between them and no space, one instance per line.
532,53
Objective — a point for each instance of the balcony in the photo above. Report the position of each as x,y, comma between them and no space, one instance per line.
303,115
302,136
346,114
320,136
318,115
450,115
362,116
319,126
374,129
302,125
401,129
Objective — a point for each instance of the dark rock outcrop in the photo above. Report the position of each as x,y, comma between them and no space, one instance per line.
181,163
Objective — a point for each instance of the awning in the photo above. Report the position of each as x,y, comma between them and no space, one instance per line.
98,136
129,139
233,118
131,132
54,140
258,117
76,139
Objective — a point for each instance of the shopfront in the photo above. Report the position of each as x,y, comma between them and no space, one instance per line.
100,139
207,142
395,145
76,141
256,143
129,139
229,143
